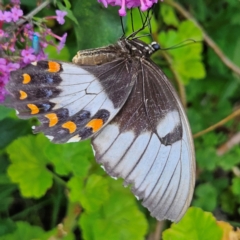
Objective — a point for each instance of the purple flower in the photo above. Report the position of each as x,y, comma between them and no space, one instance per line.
16,13
28,55
7,16
28,30
5,69
60,16
62,42
143,4
3,61
12,66
41,56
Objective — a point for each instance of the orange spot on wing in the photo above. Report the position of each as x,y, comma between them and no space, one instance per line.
53,67
53,119
34,109
71,126
26,78
23,95
95,124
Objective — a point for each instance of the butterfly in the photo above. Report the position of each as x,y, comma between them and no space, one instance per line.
117,96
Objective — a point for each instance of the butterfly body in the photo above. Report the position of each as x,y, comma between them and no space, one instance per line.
119,98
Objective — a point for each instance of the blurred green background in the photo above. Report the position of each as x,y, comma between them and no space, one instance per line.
52,191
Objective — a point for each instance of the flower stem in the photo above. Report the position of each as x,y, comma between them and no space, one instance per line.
33,12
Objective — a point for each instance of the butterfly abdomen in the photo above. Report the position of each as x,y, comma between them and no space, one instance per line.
93,57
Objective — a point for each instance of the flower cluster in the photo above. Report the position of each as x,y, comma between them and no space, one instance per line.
143,4
20,44
5,69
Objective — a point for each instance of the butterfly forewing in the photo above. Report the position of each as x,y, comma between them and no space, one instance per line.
118,97
75,102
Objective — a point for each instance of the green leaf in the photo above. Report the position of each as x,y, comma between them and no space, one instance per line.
76,185
11,129
28,165
25,231
118,218
228,202
195,225
169,15
207,159
5,112
229,160
188,29
67,3
6,195
98,26
236,186
186,60
6,226
206,197
54,54
70,158
92,195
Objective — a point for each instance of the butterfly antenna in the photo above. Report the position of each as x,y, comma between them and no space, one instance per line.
181,44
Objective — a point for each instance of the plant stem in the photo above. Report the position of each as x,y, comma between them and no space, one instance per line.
228,118
33,12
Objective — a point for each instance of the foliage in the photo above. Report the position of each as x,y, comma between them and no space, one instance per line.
43,185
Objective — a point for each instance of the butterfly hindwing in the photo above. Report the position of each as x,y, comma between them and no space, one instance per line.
148,144
72,102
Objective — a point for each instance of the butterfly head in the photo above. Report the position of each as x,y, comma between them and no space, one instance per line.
139,48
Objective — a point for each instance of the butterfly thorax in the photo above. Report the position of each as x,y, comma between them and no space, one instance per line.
138,48
123,49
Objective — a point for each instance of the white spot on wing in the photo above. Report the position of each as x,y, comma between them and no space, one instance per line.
168,123
93,150
76,138
136,197
50,137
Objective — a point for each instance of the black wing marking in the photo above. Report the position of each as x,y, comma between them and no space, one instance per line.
149,145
